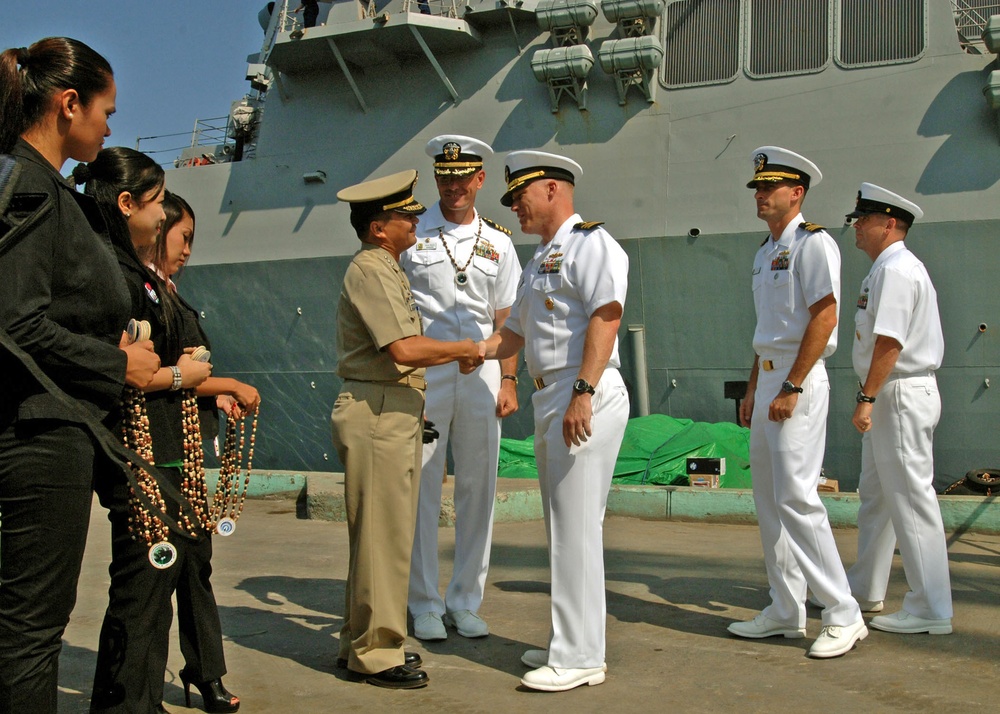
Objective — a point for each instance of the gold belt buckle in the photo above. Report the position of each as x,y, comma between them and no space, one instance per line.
539,383
767,365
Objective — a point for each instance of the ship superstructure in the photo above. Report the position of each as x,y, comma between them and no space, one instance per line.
661,103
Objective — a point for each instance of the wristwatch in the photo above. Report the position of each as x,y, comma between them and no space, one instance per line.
177,381
789,388
862,397
511,377
582,386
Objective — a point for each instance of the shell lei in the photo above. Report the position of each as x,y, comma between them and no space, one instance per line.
230,494
145,526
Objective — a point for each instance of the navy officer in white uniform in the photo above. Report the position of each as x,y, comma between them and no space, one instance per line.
897,347
796,291
566,316
463,272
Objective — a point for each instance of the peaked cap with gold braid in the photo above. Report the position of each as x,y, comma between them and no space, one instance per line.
457,155
523,167
772,164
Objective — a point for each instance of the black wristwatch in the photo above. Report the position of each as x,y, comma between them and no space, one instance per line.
789,388
862,397
582,386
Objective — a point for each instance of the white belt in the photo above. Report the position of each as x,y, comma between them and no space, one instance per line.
547,380
772,363
907,375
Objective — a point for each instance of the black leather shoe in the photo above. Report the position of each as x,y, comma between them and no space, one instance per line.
410,659
401,677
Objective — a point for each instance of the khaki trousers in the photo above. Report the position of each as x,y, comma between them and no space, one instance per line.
377,431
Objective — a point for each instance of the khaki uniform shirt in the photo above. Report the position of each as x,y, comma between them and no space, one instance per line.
376,309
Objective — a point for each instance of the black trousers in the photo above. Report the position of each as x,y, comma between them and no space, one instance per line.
134,641
46,476
198,615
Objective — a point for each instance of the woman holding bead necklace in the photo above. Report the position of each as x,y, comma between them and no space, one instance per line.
132,655
197,612
63,306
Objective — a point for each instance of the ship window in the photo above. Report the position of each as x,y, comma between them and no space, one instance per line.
902,32
701,43
787,37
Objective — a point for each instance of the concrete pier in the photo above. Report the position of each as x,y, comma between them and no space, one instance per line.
673,586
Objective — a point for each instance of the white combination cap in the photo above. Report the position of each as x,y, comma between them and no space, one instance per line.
875,199
523,167
457,155
772,164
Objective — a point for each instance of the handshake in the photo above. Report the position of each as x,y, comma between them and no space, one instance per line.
474,356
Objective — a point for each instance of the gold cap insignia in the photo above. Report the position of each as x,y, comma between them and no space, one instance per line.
759,162
451,150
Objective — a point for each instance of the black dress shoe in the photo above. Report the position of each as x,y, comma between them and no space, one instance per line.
410,659
401,677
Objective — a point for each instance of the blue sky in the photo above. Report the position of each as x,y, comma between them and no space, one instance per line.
175,61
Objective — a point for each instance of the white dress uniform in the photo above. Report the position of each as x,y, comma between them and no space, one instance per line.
790,274
566,281
462,407
897,461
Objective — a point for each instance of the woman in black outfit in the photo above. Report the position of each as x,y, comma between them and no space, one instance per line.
132,653
197,611
63,307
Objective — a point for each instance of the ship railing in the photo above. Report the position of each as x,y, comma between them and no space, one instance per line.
441,8
211,143
971,17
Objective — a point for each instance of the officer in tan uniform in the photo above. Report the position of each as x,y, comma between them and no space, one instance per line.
378,425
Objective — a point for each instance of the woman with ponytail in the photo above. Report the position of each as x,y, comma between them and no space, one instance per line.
63,363
128,187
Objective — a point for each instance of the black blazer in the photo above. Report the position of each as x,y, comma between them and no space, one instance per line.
62,298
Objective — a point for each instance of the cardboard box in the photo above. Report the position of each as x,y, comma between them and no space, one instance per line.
828,485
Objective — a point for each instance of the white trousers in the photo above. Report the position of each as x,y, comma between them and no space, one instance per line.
574,485
463,409
898,500
785,462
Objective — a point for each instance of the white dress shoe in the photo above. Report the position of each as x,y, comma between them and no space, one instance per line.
834,640
865,605
429,627
540,658
907,624
468,623
763,626
549,679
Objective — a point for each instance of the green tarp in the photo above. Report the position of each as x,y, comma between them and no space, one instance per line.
655,451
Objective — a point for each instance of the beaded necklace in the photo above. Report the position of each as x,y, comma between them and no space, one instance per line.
230,495
462,277
145,526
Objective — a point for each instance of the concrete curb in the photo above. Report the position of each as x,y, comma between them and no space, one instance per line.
321,497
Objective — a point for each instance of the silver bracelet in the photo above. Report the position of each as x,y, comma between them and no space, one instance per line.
177,383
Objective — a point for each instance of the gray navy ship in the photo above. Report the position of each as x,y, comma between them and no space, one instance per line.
662,103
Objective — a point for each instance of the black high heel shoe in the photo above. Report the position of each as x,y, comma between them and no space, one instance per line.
214,695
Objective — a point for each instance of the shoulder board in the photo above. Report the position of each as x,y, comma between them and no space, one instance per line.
766,239
811,227
588,225
496,226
